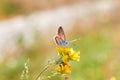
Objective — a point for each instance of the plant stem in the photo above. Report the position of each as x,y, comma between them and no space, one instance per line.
66,78
45,68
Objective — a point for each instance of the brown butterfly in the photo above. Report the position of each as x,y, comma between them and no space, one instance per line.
60,37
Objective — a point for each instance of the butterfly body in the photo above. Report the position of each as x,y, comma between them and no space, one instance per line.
63,43
60,37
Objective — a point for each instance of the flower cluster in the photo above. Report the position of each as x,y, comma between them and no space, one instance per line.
66,54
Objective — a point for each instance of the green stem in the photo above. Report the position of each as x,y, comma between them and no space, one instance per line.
45,68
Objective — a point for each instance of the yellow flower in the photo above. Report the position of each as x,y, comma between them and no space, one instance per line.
65,58
74,55
67,69
63,68
63,50
66,54
58,68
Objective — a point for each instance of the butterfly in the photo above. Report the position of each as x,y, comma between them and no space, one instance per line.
60,38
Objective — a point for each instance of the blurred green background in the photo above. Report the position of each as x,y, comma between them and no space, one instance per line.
99,43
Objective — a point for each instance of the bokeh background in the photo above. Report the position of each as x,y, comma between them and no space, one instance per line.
27,28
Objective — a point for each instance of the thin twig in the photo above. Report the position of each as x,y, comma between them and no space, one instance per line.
45,68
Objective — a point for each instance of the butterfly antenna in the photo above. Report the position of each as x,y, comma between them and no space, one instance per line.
74,40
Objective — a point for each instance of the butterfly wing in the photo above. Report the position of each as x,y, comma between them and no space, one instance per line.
61,33
58,39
